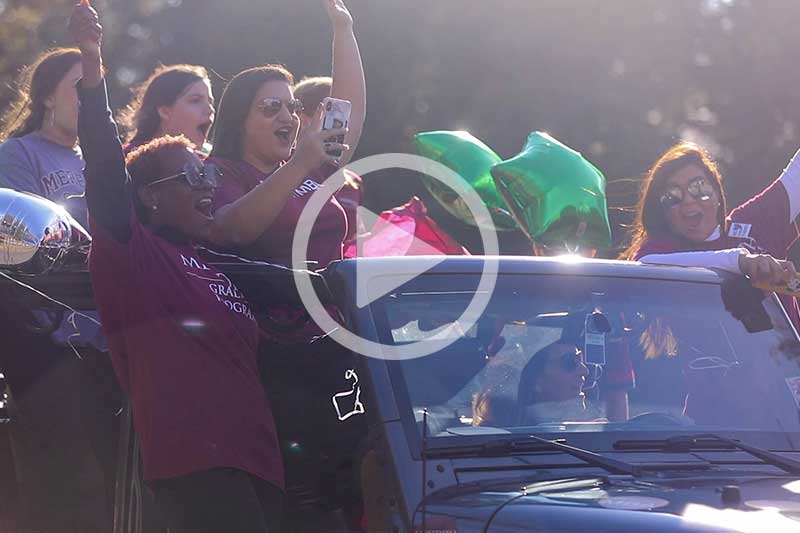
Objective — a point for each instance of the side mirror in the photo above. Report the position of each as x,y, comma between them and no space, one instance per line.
37,235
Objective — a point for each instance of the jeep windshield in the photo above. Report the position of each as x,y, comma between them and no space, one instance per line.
580,354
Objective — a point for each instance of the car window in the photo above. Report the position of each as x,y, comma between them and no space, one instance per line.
671,350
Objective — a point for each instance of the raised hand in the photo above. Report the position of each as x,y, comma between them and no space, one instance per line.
85,29
339,14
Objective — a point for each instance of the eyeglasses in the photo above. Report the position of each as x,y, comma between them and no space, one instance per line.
197,177
271,106
699,189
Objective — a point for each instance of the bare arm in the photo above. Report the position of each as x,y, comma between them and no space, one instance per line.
348,72
243,221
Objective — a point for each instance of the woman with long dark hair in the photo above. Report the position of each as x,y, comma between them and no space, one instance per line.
682,219
174,100
40,155
257,123
40,151
177,326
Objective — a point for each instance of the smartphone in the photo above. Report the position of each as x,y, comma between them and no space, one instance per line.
790,289
595,328
336,116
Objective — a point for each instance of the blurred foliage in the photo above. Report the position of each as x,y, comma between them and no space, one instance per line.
619,80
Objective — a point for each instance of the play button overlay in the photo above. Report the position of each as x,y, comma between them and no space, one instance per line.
381,285
377,277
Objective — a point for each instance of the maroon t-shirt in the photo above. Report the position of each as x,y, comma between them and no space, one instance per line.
761,224
275,244
350,198
184,345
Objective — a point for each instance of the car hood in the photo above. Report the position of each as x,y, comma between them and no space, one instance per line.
621,505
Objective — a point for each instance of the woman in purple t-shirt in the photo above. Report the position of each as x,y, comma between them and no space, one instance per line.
682,219
256,127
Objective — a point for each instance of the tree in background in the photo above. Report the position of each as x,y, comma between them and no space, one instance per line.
618,80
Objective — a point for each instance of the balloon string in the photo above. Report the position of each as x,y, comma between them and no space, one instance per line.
48,298
70,319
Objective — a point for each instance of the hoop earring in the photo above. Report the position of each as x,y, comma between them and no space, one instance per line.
52,118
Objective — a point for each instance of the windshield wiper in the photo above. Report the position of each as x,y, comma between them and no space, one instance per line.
709,441
532,443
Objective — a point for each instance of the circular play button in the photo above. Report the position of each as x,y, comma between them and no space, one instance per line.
376,278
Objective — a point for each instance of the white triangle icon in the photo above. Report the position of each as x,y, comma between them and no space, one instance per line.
372,280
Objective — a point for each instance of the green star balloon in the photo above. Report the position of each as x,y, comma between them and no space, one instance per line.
556,195
473,161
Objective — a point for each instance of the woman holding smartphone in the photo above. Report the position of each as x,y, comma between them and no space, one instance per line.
256,127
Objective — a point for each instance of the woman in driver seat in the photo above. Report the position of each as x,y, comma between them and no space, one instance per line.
551,386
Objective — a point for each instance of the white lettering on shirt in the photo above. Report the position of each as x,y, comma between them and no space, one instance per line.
307,186
221,287
60,179
227,293
191,262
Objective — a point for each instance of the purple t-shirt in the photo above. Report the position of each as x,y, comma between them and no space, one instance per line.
275,244
761,224
198,402
34,164
350,198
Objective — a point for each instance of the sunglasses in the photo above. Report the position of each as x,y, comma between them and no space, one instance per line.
197,177
699,189
271,106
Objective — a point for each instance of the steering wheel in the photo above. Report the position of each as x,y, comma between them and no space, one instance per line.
656,419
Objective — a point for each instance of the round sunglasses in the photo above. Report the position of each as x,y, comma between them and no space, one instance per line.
271,106
699,188
206,176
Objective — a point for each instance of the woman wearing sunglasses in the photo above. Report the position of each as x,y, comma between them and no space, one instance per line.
551,386
177,327
256,127
682,219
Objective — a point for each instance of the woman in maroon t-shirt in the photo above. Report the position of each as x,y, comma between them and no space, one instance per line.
682,219
256,127
174,100
183,339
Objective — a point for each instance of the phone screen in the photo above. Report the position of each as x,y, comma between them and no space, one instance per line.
594,351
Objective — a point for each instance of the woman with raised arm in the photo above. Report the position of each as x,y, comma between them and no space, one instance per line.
682,219
256,127
183,338
174,100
